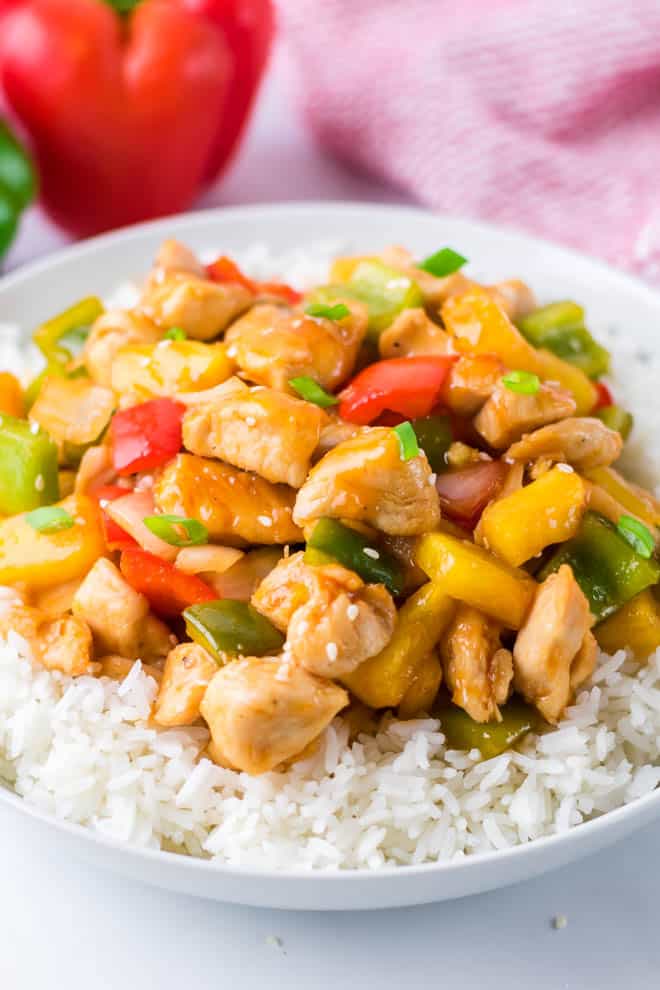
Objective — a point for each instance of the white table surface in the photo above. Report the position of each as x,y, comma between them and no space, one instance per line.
66,926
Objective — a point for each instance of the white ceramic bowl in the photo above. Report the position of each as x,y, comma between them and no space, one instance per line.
97,266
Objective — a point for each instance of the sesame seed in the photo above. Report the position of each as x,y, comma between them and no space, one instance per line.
331,652
287,550
250,420
34,428
283,672
39,483
559,921
144,362
565,468
232,352
370,552
352,612
265,520
432,479
103,502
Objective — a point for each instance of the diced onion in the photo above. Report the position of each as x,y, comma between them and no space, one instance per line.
210,559
129,512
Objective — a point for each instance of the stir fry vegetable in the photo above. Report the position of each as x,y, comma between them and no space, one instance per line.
228,628
490,738
356,552
146,436
408,386
560,328
28,467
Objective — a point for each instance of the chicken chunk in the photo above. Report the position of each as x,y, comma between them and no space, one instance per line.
176,257
263,711
477,670
551,657
366,480
188,672
259,430
119,616
235,506
333,432
507,415
203,309
514,297
583,442
63,644
472,380
272,344
113,330
414,333
334,620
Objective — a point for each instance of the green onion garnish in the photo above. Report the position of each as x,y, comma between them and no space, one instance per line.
49,519
637,535
337,312
443,262
175,333
407,441
308,389
523,382
177,530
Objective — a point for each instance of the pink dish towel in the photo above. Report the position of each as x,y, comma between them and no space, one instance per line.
540,115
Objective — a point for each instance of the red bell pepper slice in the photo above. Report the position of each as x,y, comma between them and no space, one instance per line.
409,386
141,108
146,436
465,493
115,537
605,397
169,590
223,269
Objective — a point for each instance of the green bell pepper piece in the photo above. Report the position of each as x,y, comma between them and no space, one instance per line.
17,185
606,567
559,327
434,436
385,291
490,738
231,627
617,419
344,545
49,335
28,467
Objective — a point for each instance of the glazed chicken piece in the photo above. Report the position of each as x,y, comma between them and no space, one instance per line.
187,674
507,415
333,432
203,309
263,711
583,442
554,653
235,506
364,479
514,297
113,330
335,622
472,380
272,344
176,257
118,616
257,429
63,643
477,670
411,333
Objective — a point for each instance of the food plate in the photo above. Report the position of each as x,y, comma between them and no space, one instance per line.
614,302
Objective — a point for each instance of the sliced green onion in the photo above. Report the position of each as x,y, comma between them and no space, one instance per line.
443,262
308,389
523,382
175,333
407,438
169,529
49,519
337,312
637,535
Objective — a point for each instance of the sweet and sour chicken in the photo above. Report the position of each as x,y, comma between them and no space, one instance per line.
392,491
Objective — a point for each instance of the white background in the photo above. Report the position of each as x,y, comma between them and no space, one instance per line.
65,926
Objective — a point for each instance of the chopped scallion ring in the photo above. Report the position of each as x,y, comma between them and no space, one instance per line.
443,262
407,441
522,382
49,519
175,333
637,535
337,312
308,389
178,531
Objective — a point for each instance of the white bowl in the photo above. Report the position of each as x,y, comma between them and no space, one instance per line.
97,266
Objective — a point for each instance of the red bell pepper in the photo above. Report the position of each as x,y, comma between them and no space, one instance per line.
169,590
605,397
115,537
146,436
409,386
223,269
465,493
130,114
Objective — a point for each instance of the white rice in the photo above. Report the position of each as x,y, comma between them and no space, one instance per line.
81,751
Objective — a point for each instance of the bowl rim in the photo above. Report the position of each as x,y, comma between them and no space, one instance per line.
581,833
